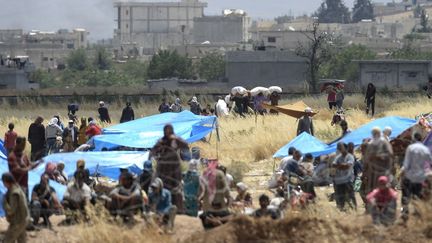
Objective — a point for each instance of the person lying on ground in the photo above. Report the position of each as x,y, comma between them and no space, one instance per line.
264,211
160,203
44,202
126,198
382,202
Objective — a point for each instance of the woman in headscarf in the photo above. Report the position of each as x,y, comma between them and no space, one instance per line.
195,106
378,161
244,198
167,152
215,197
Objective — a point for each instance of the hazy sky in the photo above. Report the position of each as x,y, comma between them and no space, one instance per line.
98,16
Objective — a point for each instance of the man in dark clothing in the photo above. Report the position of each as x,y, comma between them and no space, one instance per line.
43,201
239,104
127,114
103,113
145,178
370,98
264,211
70,137
164,107
305,123
36,137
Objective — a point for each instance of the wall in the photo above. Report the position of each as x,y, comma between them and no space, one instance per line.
396,75
221,29
11,78
266,68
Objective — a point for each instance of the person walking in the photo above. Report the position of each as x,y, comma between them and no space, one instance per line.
370,99
10,138
127,113
36,137
103,113
15,207
305,123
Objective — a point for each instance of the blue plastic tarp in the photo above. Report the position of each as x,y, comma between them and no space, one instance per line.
2,150
309,144
144,133
107,164
305,143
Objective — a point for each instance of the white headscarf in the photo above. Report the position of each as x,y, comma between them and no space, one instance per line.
53,121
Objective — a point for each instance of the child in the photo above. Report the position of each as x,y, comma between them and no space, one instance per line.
10,138
382,202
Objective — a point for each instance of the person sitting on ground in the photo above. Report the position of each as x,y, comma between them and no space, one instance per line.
285,160
16,211
127,113
215,197
195,106
77,196
382,202
87,180
243,198
176,107
307,185
164,107
264,211
103,113
58,145
10,139
160,203
43,202
63,175
146,176
191,186
93,129
126,198
387,133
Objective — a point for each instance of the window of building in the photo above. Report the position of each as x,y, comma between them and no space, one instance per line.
127,12
45,59
271,39
70,46
412,74
127,26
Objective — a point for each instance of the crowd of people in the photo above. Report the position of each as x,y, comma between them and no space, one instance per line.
206,189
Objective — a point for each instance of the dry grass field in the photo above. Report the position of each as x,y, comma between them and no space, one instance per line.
246,147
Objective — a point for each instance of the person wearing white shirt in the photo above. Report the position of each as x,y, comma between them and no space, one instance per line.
417,157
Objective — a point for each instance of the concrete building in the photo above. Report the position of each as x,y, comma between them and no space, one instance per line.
404,75
11,35
231,28
266,68
16,79
149,26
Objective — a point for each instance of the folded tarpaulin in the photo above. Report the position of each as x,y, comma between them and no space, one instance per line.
295,110
305,143
145,132
397,124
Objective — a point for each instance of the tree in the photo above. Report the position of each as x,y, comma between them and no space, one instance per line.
363,9
169,64
417,11
316,51
341,65
212,66
77,60
333,11
410,52
102,59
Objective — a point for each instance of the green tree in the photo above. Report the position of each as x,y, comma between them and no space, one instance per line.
342,65
78,60
363,9
135,70
409,52
333,11
211,67
102,60
316,50
169,64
